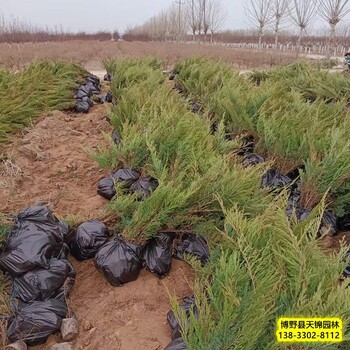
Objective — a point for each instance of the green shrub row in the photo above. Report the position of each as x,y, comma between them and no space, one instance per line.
298,115
262,265
161,138
41,87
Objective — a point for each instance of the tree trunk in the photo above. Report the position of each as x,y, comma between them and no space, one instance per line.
211,36
261,33
300,40
277,29
331,42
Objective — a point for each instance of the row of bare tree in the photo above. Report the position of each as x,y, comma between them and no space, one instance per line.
201,18
198,17
14,30
300,13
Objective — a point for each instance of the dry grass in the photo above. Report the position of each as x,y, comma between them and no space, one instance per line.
91,53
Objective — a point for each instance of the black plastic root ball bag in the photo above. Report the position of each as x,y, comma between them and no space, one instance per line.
144,186
116,138
44,284
119,262
107,77
188,307
252,159
328,223
36,238
35,322
42,218
177,344
193,245
106,187
94,79
157,254
82,106
89,238
273,178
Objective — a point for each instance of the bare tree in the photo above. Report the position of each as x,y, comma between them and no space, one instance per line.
279,9
215,17
258,12
205,20
302,13
333,11
194,15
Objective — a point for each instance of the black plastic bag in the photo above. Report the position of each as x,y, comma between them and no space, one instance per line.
88,100
188,307
43,284
35,322
85,89
193,245
36,237
328,223
109,97
177,344
144,186
106,98
33,248
80,94
82,106
107,77
157,254
248,144
294,206
195,107
214,128
273,178
343,223
116,138
94,79
252,159
106,187
90,88
119,262
89,238
172,76
42,218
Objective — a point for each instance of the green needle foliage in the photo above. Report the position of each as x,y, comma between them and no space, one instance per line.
298,115
41,87
162,138
265,268
262,265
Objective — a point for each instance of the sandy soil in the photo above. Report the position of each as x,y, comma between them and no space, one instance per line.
123,318
49,162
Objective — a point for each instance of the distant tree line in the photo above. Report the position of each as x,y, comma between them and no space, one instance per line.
199,18
204,19
15,30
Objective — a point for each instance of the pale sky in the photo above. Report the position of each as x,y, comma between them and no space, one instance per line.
101,14
92,15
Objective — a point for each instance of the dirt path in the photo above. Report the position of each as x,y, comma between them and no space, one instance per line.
124,318
49,162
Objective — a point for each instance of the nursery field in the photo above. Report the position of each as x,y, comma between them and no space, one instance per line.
221,196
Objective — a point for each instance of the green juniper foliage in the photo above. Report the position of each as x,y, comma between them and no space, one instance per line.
264,268
262,265
43,86
162,138
298,115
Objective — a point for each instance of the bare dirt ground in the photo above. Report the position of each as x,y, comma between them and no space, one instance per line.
124,318
49,162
